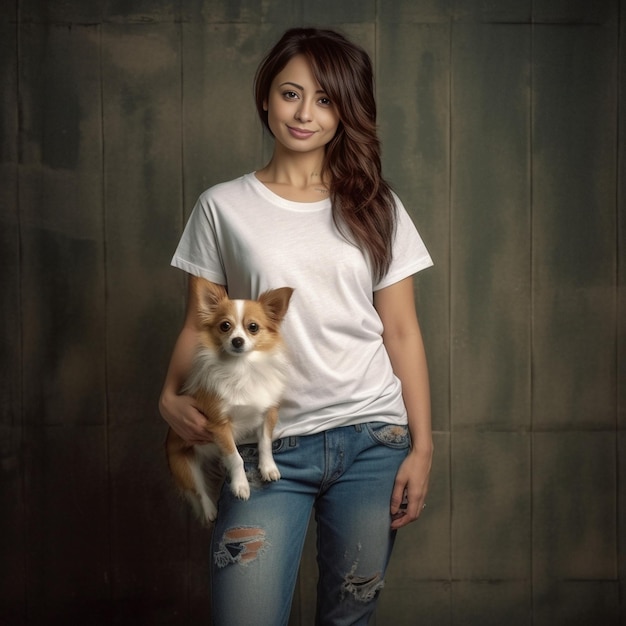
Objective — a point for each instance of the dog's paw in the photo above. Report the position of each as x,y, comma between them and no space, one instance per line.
210,516
209,510
240,488
269,472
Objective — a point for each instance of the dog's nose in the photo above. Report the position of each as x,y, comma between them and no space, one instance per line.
237,342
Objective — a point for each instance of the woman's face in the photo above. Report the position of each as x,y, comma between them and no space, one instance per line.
300,114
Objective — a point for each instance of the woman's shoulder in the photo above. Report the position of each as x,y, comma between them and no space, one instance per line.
226,190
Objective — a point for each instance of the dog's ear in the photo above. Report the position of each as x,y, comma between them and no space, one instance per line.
208,294
275,302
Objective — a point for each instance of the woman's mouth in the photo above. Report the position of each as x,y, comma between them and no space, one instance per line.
300,133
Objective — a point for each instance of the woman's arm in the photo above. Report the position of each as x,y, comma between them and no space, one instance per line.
403,340
179,411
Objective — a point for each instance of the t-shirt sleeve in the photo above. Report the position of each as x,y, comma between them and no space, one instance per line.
198,250
409,251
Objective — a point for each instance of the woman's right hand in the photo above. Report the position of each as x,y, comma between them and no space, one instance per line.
180,411
183,416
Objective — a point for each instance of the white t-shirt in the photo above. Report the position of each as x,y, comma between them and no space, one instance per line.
242,235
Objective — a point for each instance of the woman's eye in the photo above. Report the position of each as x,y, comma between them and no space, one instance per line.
290,95
225,327
253,327
325,101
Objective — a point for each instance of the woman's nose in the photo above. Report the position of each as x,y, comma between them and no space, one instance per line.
303,113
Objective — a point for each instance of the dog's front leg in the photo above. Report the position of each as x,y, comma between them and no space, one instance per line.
267,465
223,437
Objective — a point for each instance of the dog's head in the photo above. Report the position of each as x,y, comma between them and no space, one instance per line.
240,327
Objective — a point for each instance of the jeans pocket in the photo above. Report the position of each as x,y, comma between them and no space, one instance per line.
250,451
391,435
250,454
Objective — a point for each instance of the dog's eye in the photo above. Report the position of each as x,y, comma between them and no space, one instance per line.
253,327
225,326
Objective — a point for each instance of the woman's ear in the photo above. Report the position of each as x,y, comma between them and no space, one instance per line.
265,105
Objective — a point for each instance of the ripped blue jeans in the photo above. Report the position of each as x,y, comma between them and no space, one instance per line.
346,476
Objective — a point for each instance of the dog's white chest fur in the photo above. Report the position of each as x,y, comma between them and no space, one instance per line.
246,385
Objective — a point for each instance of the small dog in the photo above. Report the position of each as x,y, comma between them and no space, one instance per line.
237,378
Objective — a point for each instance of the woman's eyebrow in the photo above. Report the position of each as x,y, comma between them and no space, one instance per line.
300,87
292,84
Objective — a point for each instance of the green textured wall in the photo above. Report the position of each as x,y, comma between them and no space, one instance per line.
503,131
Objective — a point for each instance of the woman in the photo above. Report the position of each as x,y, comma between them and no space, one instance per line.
354,439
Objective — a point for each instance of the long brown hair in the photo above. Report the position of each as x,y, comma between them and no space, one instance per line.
363,205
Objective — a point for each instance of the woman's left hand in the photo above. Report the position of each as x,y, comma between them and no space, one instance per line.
410,488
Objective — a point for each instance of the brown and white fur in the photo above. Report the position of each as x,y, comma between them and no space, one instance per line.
237,378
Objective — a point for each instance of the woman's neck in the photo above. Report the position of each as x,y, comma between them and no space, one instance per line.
296,178
295,170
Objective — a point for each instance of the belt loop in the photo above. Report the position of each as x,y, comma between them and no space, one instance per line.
293,442
358,427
